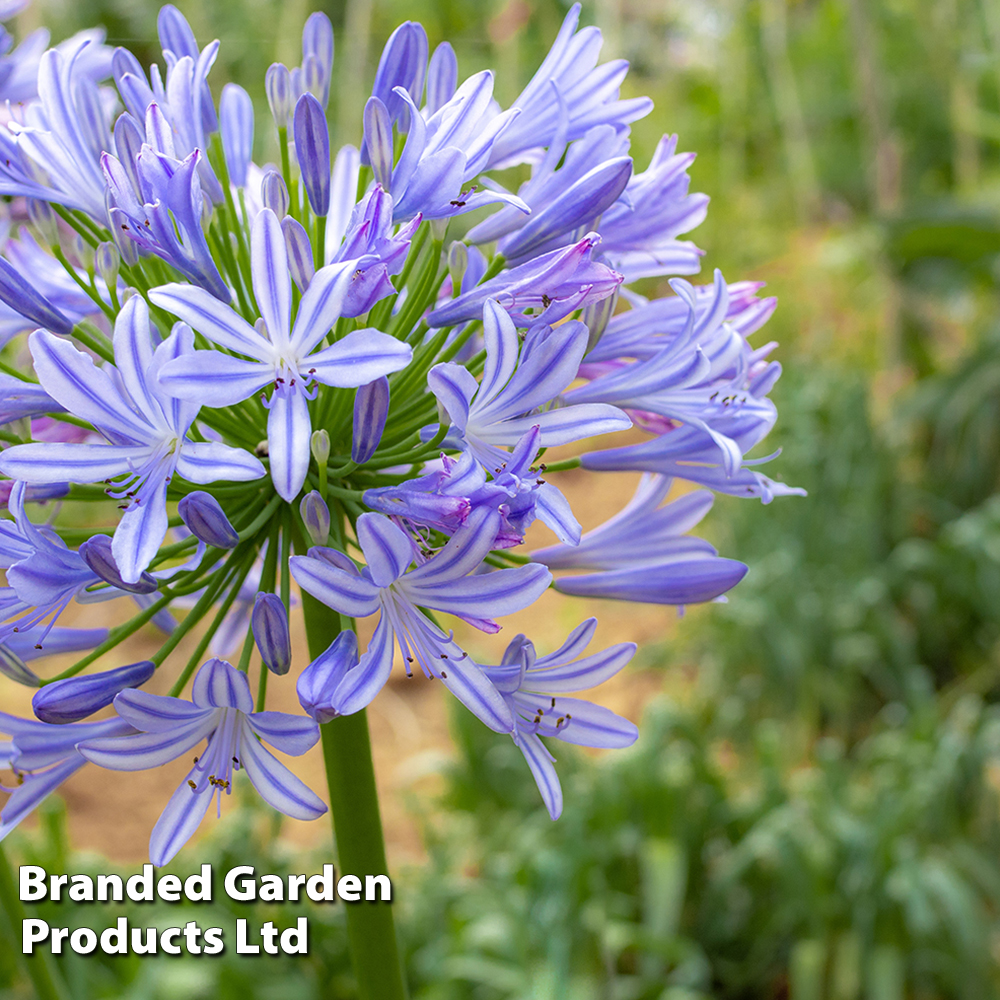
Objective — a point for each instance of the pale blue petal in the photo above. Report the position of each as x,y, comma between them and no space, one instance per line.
219,684
140,533
291,734
146,750
134,356
387,548
502,346
211,461
275,784
454,386
468,682
272,283
562,425
321,305
182,816
288,434
353,596
157,713
540,762
580,675
51,462
212,319
214,378
359,358
489,595
464,551
71,378
362,682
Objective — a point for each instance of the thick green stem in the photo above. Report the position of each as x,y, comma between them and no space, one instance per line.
357,824
39,965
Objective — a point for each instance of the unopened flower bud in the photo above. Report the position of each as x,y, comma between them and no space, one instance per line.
82,251
378,141
312,149
17,293
319,444
316,517
269,622
108,260
317,55
236,125
278,87
12,666
77,697
596,317
44,220
274,193
321,686
300,252
371,407
207,521
458,261
97,554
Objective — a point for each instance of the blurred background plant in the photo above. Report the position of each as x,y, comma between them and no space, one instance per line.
813,811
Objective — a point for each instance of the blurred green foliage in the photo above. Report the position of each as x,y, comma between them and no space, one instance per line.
818,818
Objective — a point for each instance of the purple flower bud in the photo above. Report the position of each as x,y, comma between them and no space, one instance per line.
44,220
378,141
317,46
82,251
278,87
206,520
316,516
274,193
442,77
300,252
318,684
596,317
312,147
403,64
108,260
96,553
12,666
269,622
77,697
371,407
23,299
175,33
129,138
236,121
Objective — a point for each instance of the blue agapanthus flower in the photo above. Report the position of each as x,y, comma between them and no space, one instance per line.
251,374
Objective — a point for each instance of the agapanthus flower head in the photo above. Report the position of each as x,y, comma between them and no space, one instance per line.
328,385
221,712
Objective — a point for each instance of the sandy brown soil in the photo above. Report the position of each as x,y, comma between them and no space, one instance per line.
113,812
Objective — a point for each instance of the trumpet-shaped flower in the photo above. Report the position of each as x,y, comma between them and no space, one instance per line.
645,554
589,92
556,284
501,409
62,137
146,432
221,711
43,574
535,689
282,354
441,155
155,199
447,582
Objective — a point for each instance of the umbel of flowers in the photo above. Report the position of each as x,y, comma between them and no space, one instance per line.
345,371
